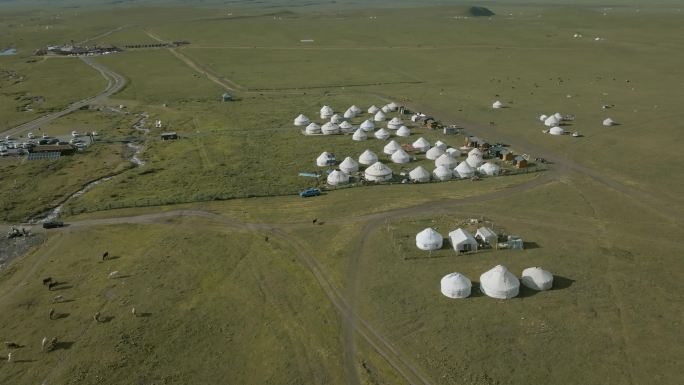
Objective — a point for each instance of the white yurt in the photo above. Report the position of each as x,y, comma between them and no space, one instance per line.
401,156
551,121
499,283
367,125
330,128
475,152
301,120
359,135
490,169
497,104
367,158
382,134
378,172
355,109
455,285
323,159
442,173
537,278
474,161
429,240
542,118
419,174
386,109
337,178
337,119
454,152
441,145
394,123
463,170
556,131
379,116
403,131
446,161
326,112
393,106
391,147
346,126
349,113
313,129
558,116
373,110
608,122
349,165
421,144
434,153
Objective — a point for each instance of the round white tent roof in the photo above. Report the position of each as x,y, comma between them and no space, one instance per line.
379,116
551,121
355,109
368,157
542,117
337,178
349,114
322,159
446,160
349,165
301,120
556,131
558,116
326,112
403,131
346,125
421,144
442,173
608,122
378,172
313,128
429,239
475,152
434,153
497,104
393,106
454,152
394,123
490,169
441,145
382,134
386,109
367,125
499,283
455,285
463,170
419,174
474,161
330,128
400,156
359,135
373,109
337,119
537,278
391,147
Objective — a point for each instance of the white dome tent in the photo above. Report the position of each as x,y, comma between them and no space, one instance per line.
367,125
446,161
403,131
551,121
355,109
330,128
429,240
373,110
556,131
378,172
382,134
475,152
349,165
301,121
326,112
462,240
463,170
421,144
490,169
349,114
393,106
441,145
537,278
391,147
313,129
497,104
474,158
346,126
454,152
434,153
558,116
442,173
394,123
368,158
325,159
386,109
400,156
337,178
337,119
542,118
359,135
419,174
608,122
379,116
455,285
499,283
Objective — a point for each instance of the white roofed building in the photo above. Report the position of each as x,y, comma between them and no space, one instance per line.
429,240
455,285
349,165
499,283
462,241
368,158
301,120
378,172
419,174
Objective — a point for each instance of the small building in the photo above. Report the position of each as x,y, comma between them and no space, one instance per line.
506,156
450,130
169,136
520,162
63,149
227,97
462,241
487,235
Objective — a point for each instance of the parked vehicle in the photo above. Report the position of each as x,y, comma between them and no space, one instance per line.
53,224
310,192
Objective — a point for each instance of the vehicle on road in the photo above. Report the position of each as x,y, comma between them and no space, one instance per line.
53,224
310,192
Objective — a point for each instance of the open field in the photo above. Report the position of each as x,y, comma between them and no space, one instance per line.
233,280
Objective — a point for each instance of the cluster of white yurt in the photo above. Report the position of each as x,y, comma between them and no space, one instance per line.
391,147
419,175
301,120
379,116
446,160
490,169
394,123
475,158
497,283
327,112
338,178
400,156
378,172
330,128
382,134
368,158
346,126
336,118
313,129
556,130
497,104
442,173
325,159
455,285
608,122
429,240
349,165
537,278
434,153
421,145
463,170
403,131
359,135
367,125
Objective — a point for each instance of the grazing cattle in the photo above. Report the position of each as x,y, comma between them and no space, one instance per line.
58,298
266,238
9,357
96,317
52,313
47,280
43,343
105,255
114,274
314,221
11,345
52,284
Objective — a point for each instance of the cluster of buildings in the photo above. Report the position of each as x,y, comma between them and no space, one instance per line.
72,50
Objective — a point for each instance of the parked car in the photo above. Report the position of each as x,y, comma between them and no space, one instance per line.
310,192
53,224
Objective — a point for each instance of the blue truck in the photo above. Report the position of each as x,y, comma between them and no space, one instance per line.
310,192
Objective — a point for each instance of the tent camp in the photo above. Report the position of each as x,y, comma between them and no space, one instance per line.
499,283
301,120
382,134
337,178
367,125
419,174
313,129
490,169
378,172
556,131
403,131
421,144
463,170
326,112
434,153
497,104
367,158
462,240
394,123
391,147
442,173
455,285
446,160
429,240
537,278
325,159
359,135
401,156
379,116
330,128
349,165
486,235
608,122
